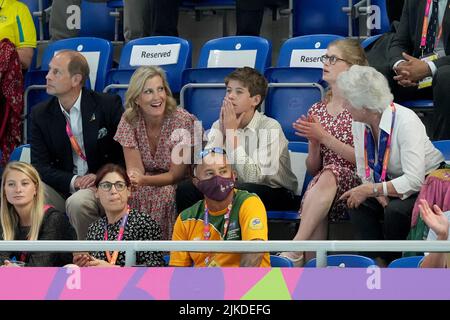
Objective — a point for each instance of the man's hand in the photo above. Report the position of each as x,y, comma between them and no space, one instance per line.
412,70
85,181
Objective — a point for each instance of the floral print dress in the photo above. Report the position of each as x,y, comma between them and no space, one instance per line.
340,126
159,202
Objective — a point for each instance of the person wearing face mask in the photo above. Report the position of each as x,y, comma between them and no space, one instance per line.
120,223
225,213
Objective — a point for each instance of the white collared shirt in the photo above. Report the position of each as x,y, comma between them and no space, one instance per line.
412,154
80,167
262,155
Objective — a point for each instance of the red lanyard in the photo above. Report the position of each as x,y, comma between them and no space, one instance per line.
386,153
112,260
423,39
73,141
207,227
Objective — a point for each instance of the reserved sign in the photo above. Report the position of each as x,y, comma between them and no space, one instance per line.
155,55
307,58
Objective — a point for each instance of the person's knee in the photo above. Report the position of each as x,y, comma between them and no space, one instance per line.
80,200
327,181
441,80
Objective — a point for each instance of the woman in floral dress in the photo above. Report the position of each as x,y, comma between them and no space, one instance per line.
331,159
155,135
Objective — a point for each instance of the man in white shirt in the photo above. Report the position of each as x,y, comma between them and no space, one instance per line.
72,137
407,49
255,144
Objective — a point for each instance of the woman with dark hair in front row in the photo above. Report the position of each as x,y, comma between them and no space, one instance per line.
119,224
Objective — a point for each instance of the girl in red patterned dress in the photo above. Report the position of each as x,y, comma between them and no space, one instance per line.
331,158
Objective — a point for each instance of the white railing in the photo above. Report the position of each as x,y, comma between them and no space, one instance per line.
320,247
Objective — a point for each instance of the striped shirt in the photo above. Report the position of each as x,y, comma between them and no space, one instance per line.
262,154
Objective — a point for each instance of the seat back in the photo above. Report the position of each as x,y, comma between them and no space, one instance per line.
236,51
444,147
344,261
203,92
406,262
380,22
292,91
96,20
21,153
280,262
320,16
173,54
98,52
305,51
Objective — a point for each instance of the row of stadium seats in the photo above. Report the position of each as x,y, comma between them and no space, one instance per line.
342,17
201,89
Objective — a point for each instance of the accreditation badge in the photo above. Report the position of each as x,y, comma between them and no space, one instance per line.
426,82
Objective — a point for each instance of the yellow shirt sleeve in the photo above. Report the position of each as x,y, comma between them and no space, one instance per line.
180,258
26,28
253,219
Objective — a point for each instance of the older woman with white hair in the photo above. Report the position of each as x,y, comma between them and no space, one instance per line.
393,156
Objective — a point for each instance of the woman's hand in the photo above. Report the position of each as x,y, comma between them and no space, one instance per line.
357,195
100,263
135,178
435,219
310,128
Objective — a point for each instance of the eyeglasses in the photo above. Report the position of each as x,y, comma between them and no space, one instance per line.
106,186
205,152
331,59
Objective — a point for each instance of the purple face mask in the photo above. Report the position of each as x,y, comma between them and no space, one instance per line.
217,188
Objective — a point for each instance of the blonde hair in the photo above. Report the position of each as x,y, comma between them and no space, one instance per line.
136,87
8,215
352,52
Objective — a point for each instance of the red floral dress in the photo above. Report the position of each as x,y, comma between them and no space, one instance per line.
11,99
159,202
340,126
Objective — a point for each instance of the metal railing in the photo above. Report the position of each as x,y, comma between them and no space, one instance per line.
320,247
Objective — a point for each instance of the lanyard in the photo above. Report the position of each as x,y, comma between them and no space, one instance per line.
207,226
423,39
73,141
381,155
112,260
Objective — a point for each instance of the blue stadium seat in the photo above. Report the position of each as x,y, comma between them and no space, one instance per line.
280,262
203,92
236,51
292,91
367,42
21,153
320,16
344,261
384,19
179,56
420,105
97,51
97,20
203,88
444,147
406,262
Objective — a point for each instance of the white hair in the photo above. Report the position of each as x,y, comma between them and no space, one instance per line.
365,88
